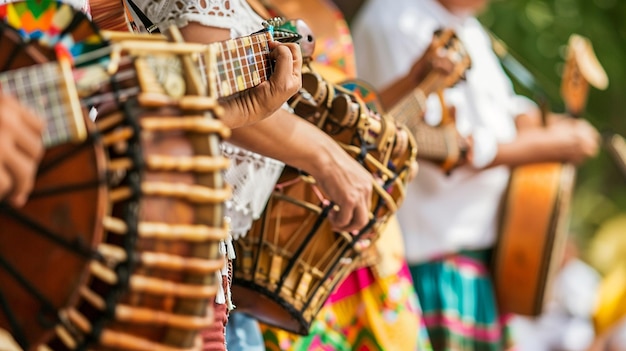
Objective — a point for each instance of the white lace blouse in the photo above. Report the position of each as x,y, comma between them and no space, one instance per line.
251,175
235,15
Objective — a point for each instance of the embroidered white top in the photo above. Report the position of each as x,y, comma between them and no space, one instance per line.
233,14
443,214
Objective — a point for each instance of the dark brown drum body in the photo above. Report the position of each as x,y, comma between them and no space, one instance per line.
45,246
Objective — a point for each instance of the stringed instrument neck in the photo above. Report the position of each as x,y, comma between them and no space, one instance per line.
239,64
49,88
47,91
235,65
439,144
433,143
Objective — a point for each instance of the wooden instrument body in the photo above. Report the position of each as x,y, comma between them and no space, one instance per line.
169,219
291,260
109,14
533,233
535,213
69,200
46,246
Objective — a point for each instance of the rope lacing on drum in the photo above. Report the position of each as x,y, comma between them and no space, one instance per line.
47,306
16,329
131,209
318,222
364,149
49,309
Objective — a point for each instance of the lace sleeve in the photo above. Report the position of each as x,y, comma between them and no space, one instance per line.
252,177
235,15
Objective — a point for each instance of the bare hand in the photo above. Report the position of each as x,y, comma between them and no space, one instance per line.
261,101
349,186
432,61
579,140
21,148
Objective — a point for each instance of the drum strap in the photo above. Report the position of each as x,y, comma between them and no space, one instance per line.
134,12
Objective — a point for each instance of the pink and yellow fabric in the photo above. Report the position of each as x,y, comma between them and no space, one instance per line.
375,308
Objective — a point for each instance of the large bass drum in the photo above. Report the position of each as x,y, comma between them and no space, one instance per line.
132,261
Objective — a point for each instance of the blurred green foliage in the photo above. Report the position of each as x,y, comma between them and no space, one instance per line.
536,32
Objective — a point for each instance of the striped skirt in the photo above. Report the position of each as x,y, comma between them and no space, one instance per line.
365,313
458,303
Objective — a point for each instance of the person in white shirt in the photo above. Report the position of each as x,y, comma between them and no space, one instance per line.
449,221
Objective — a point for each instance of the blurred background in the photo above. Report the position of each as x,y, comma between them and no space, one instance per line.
590,296
536,32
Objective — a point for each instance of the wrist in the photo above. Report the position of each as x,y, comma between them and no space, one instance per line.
323,156
241,110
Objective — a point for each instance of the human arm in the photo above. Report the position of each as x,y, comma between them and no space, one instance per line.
430,61
286,137
203,22
562,140
300,144
21,148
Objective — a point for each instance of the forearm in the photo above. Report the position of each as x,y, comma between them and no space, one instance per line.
198,33
531,146
393,93
290,139
563,139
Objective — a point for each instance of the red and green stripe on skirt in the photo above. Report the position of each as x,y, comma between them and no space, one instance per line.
459,305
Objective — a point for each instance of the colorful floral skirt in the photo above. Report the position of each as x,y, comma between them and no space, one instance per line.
459,305
364,313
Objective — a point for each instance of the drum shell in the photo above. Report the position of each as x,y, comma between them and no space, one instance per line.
65,202
291,260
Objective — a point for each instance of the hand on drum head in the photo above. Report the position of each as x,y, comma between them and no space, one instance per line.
349,186
263,100
21,148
